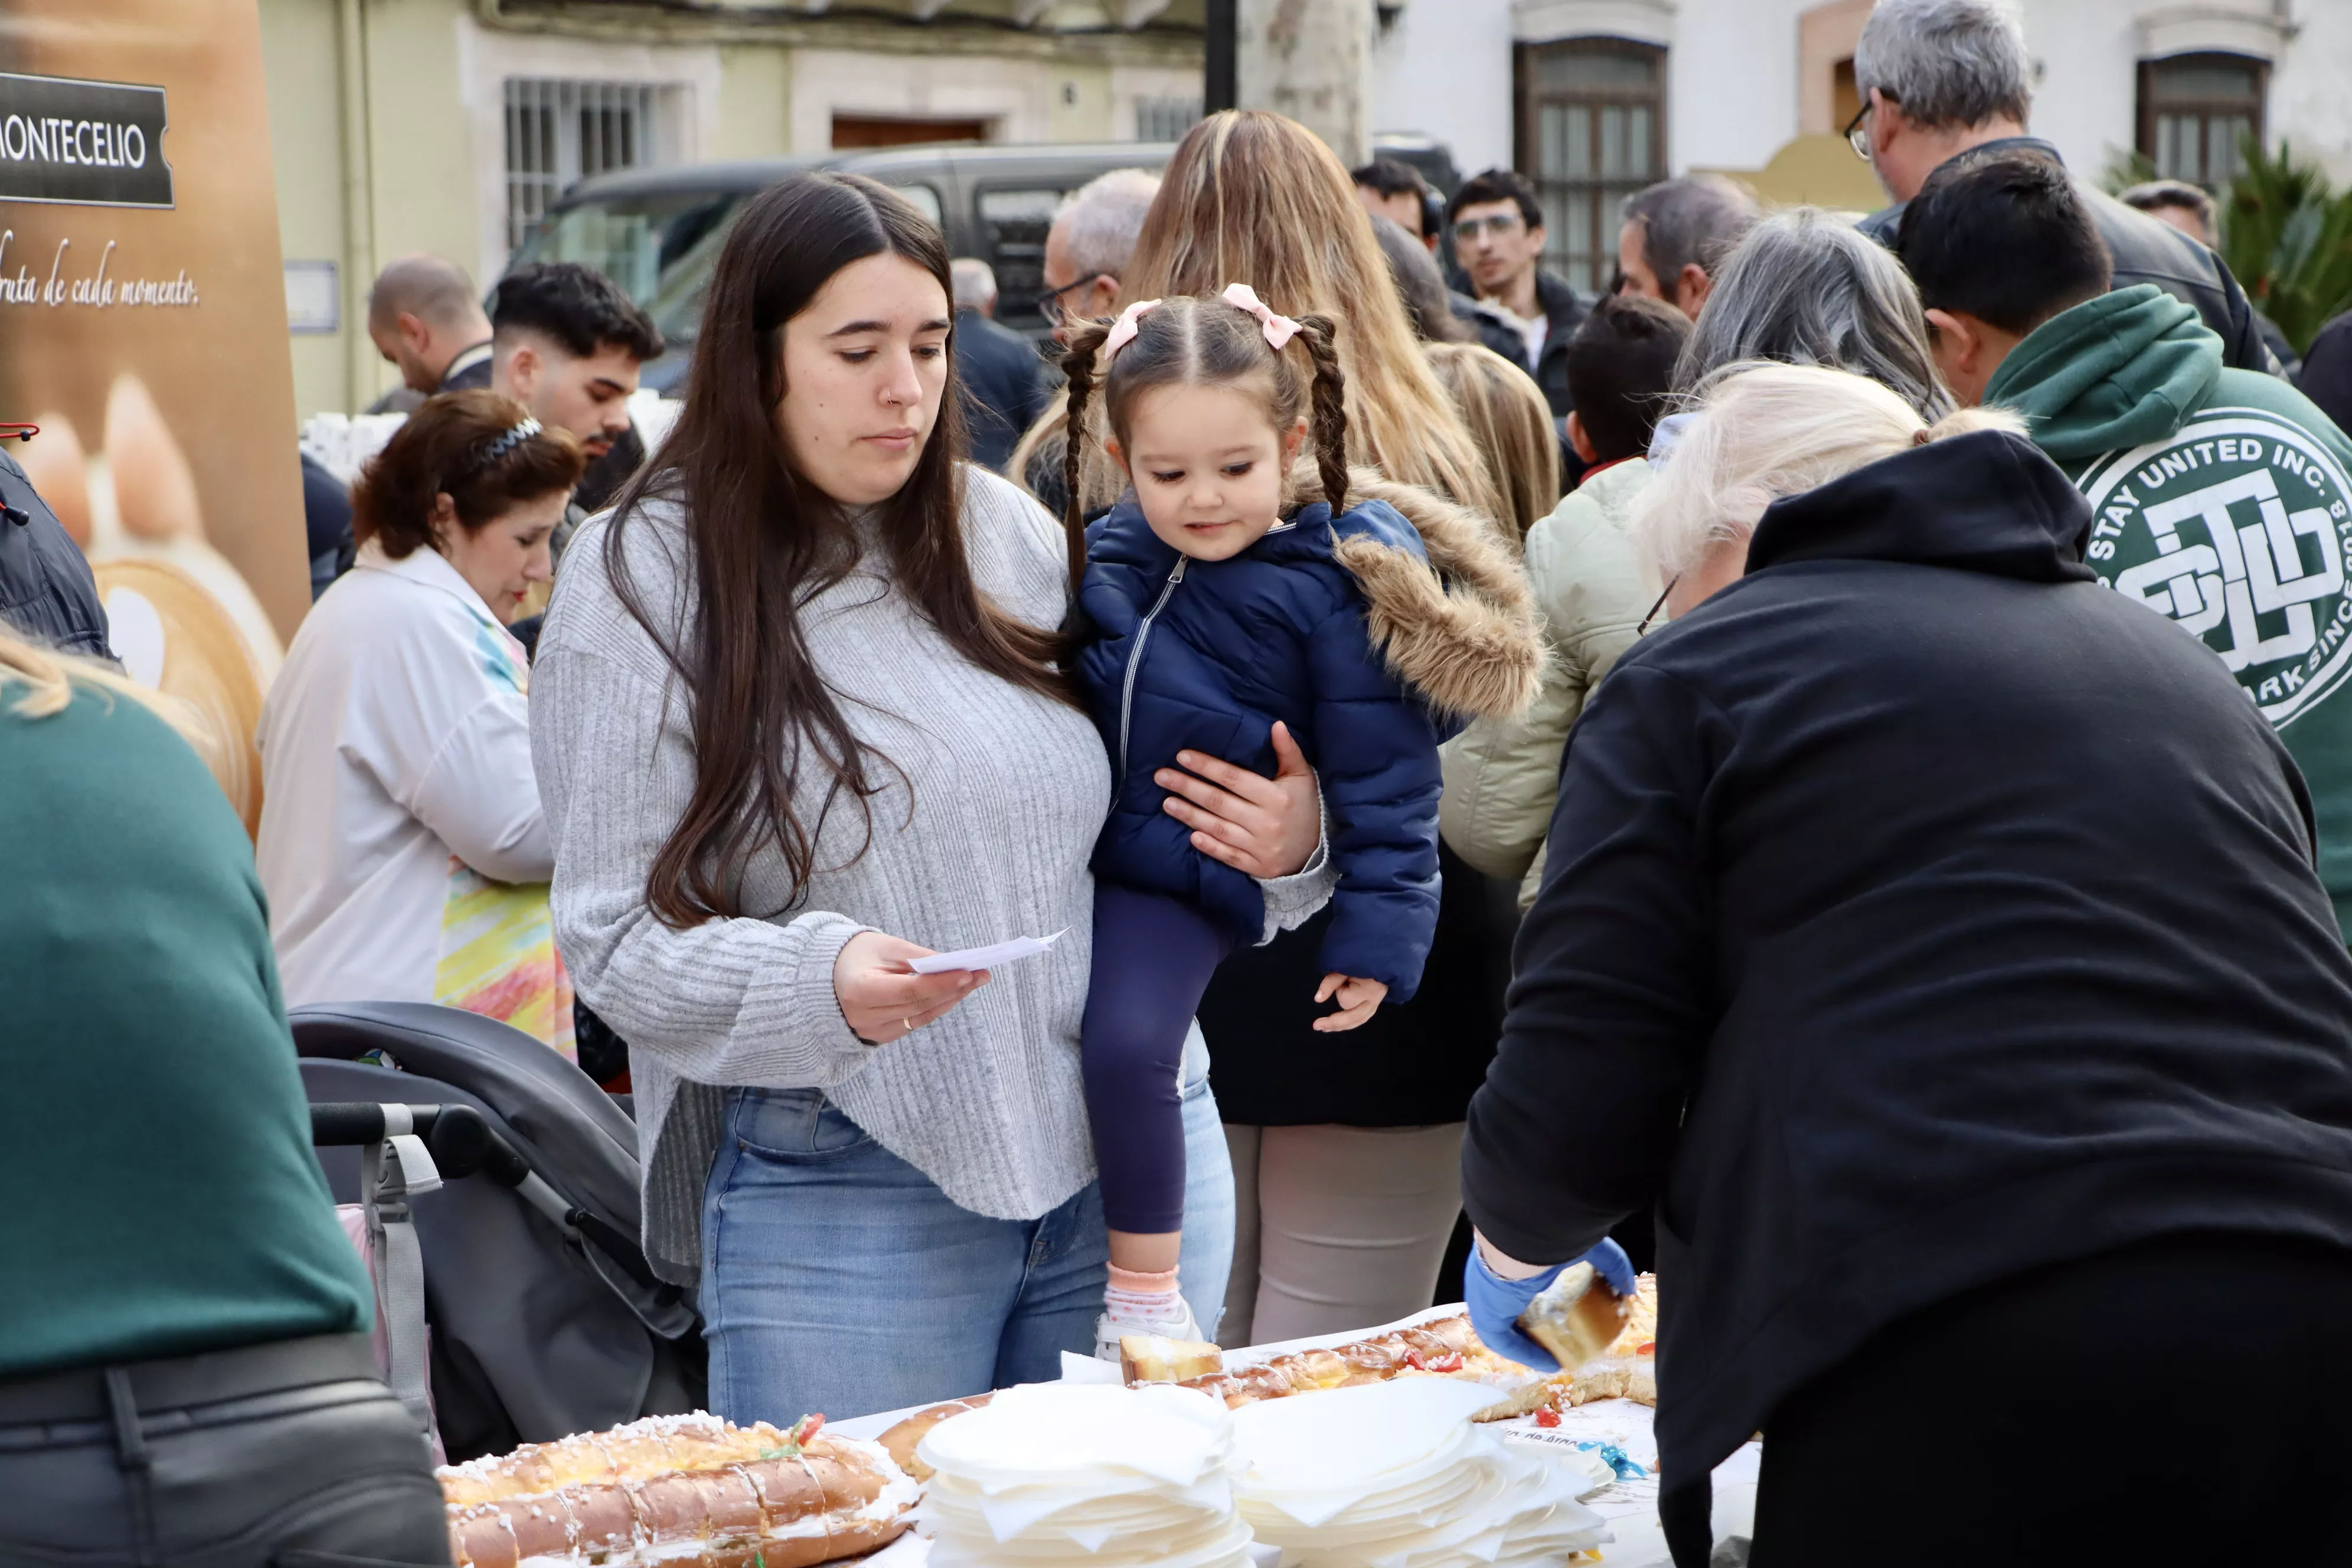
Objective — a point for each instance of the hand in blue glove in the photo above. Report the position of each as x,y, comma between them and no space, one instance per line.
1495,1303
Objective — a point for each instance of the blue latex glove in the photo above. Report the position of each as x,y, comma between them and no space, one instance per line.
1495,1303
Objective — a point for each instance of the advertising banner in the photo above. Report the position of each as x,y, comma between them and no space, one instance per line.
144,327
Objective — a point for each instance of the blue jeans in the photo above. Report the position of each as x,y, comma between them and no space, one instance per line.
837,1277
1205,1264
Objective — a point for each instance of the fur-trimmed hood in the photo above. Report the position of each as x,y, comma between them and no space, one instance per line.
1460,627
1371,637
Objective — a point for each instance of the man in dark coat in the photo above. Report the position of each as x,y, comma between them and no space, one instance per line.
1498,233
2326,374
46,587
1498,237
1940,78
1002,379
1931,934
424,316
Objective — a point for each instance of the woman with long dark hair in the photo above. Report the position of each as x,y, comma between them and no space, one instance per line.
800,720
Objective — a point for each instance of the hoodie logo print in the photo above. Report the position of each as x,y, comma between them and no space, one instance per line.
2237,527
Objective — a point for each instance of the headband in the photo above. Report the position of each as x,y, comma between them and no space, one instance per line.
507,442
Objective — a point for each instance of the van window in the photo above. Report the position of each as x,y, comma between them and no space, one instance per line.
1012,225
926,199
658,247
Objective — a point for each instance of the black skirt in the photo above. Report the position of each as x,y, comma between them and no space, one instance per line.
1415,1065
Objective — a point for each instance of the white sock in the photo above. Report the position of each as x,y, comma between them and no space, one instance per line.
1136,1296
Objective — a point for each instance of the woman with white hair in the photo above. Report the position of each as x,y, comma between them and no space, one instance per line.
1932,937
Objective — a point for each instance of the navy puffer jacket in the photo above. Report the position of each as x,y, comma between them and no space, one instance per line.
1342,631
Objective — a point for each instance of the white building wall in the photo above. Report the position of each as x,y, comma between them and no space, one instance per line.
1444,69
2311,91
2087,101
1731,83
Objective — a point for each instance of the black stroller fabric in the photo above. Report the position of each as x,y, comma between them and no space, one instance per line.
536,1335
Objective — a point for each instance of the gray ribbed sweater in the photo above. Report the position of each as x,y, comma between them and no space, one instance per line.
1008,793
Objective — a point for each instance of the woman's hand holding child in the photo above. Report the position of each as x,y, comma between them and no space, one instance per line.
1263,827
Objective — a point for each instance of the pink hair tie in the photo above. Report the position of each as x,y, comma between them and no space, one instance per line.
1123,331
1279,329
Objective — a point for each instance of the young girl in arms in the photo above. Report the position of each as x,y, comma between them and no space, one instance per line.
1225,599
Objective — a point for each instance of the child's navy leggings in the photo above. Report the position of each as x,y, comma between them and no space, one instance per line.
1153,957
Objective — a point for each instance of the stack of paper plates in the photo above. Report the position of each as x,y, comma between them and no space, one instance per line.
1071,1476
1393,1475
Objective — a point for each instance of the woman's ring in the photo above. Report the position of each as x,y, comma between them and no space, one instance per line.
908,1025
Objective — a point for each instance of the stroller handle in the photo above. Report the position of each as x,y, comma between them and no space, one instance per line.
461,1143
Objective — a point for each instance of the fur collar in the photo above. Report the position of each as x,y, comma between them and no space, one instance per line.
1465,634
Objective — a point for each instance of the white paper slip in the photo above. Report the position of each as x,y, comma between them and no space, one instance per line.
1002,953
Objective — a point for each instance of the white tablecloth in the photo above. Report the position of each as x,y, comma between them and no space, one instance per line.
1630,1506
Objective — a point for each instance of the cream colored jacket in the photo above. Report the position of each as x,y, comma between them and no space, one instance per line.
1501,778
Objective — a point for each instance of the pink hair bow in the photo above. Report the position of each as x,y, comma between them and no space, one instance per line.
1123,331
1279,329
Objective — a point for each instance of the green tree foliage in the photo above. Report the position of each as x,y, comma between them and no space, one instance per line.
2288,237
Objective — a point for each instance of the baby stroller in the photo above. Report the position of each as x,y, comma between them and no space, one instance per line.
545,1319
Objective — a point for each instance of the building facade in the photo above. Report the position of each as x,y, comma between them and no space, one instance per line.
1594,98
448,125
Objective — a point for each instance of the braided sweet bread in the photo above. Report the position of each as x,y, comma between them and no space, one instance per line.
685,1491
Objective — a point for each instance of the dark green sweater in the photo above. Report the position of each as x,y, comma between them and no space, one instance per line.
2221,498
158,1196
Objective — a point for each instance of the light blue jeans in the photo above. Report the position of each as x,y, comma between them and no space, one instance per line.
838,1278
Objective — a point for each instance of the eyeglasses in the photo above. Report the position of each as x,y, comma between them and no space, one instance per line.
1468,230
1856,137
1050,306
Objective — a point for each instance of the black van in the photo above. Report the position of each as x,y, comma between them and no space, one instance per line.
656,232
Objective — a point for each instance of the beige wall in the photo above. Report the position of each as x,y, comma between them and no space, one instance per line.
755,103
417,162
435,157
299,62
1081,106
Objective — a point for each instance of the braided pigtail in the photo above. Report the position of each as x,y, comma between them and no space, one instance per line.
1078,365
1330,408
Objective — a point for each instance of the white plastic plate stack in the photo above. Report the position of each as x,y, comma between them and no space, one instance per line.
1072,1476
1393,1475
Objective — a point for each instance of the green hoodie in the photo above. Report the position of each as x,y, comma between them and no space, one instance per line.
2223,498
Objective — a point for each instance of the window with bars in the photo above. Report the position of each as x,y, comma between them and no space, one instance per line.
1165,118
2196,112
562,131
1591,132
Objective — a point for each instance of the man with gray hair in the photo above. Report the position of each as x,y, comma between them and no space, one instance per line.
1092,238
1091,241
1676,233
1941,79
1001,377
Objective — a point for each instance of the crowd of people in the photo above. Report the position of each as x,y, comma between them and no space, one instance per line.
1687,779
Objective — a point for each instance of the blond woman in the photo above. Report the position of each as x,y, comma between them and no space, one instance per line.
1509,421
1254,198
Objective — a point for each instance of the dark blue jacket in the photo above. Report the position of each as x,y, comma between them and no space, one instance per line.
1003,383
1208,655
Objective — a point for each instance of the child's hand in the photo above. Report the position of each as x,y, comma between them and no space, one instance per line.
1358,1001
